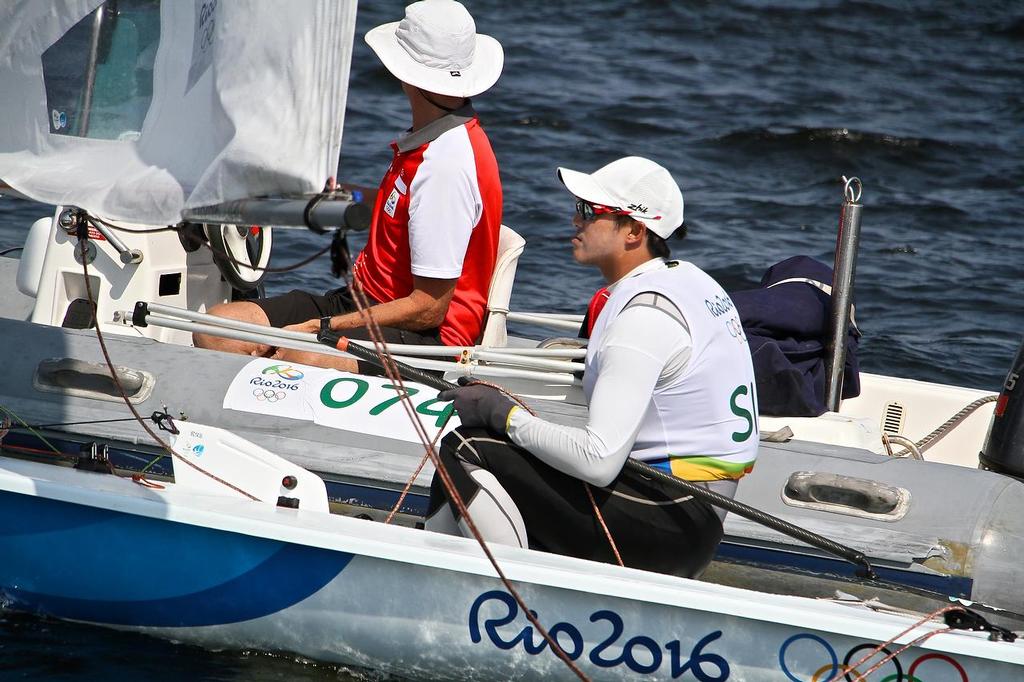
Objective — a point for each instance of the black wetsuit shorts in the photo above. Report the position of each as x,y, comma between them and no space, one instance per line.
655,526
301,306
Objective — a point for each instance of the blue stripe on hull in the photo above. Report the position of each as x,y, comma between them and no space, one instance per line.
102,566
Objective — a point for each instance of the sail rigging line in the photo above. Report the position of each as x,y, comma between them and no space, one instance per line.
132,230
412,479
83,239
947,427
586,486
226,256
37,451
285,268
391,369
90,421
858,558
10,413
845,670
604,526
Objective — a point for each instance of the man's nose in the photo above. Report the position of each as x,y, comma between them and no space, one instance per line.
577,221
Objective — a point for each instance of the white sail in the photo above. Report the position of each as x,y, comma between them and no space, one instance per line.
137,109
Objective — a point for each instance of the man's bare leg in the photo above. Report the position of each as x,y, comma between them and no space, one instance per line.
303,357
243,311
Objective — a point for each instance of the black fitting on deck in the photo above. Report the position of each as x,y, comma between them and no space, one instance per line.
140,314
288,502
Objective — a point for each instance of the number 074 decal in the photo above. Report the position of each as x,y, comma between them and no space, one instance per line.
430,407
364,404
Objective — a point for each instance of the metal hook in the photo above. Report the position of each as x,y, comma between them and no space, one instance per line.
852,189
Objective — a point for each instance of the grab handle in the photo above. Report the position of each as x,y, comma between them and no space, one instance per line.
846,495
82,379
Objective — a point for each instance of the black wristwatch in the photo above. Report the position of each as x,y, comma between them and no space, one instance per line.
325,324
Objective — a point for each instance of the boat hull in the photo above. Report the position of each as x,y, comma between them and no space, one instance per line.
972,553
229,573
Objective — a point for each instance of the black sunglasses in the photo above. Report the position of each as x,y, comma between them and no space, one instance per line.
589,211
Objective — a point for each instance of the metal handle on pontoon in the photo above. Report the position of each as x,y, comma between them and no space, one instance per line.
848,553
843,272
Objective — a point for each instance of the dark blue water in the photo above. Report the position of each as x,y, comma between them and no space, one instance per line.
758,108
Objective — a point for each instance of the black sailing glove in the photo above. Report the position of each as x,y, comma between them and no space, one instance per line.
479,405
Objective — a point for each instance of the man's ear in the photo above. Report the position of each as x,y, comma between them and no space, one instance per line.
636,233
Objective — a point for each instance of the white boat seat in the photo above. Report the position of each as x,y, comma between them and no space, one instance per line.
510,247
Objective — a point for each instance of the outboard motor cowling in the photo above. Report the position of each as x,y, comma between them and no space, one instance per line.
1004,446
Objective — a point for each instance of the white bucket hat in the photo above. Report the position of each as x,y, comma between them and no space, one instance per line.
436,48
634,184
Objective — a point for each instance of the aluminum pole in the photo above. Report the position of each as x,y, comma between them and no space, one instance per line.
90,71
300,211
847,243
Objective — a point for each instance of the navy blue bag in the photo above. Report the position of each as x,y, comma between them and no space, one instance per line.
787,326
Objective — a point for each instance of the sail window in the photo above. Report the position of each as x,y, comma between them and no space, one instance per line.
99,75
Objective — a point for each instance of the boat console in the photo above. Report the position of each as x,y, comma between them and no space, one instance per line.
129,263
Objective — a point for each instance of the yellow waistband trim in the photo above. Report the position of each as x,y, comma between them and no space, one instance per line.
708,468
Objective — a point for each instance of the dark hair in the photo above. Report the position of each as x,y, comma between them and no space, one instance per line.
657,246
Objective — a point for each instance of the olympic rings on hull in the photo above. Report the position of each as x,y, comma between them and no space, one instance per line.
268,394
831,666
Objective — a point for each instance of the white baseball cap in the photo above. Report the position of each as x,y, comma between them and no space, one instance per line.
633,184
436,48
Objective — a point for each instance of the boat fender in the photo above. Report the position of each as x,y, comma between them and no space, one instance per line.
1004,445
30,265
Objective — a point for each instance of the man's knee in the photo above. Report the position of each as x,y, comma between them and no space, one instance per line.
243,311
494,511
301,357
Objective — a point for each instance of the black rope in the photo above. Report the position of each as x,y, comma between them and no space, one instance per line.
307,217
307,212
164,422
226,256
129,230
710,497
775,523
50,426
83,238
330,191
13,248
965,619
396,371
865,571
288,268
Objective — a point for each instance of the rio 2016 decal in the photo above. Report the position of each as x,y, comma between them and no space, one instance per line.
639,653
802,657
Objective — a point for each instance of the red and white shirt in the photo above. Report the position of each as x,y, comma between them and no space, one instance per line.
437,215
